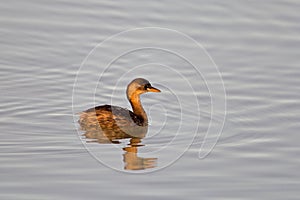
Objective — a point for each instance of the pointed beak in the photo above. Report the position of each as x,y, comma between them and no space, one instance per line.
153,89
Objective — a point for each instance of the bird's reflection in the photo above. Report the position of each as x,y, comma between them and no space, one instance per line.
96,132
132,161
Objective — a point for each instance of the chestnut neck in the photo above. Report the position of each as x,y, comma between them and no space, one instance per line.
138,108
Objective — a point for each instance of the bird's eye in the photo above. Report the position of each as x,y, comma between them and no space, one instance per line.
147,86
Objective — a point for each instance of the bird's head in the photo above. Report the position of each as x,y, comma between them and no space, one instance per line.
139,86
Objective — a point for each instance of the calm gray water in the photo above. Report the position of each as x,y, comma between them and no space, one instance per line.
46,46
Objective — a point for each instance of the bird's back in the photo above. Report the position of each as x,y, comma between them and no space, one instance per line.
108,114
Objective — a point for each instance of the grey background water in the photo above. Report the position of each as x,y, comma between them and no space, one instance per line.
256,47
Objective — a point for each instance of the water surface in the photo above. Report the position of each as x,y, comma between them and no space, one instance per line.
255,46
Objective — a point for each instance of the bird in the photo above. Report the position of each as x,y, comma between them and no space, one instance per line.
108,123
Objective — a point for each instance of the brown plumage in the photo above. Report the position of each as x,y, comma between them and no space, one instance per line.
108,123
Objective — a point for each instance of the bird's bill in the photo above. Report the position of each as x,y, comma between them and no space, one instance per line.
153,89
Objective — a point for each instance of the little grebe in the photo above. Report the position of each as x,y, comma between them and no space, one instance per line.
116,122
